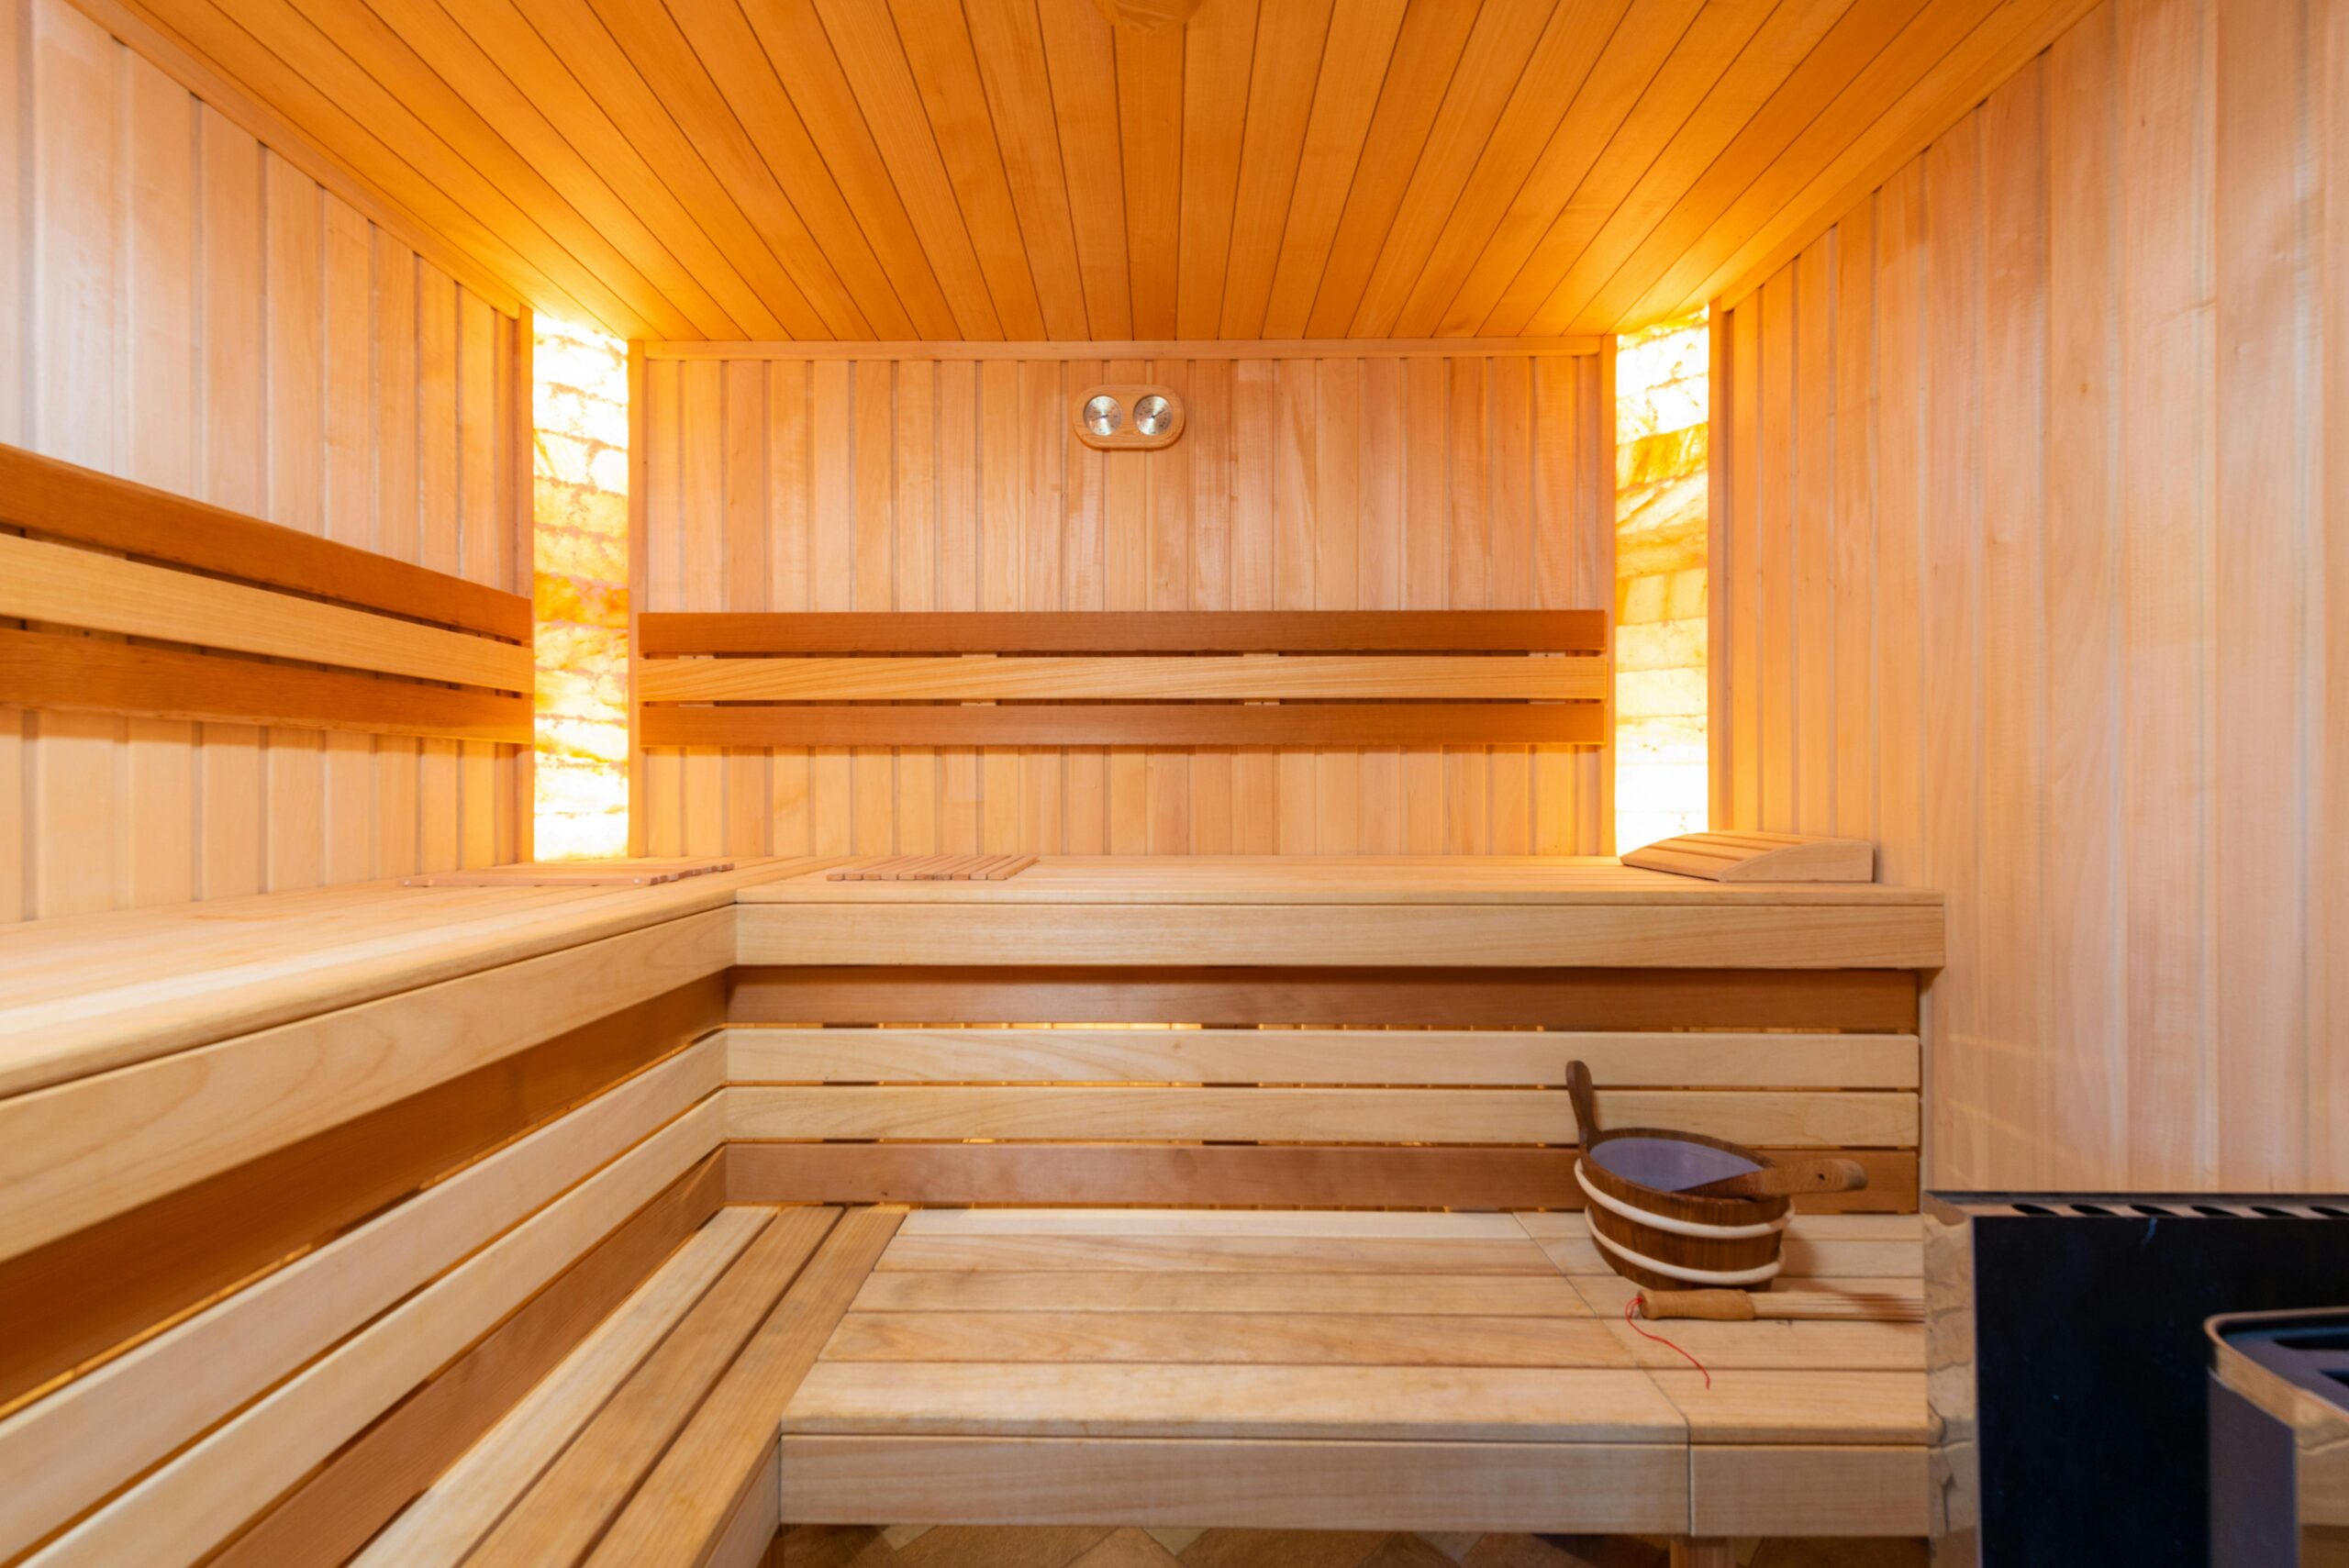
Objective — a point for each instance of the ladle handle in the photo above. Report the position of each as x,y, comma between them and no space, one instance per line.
1788,1178
1586,1099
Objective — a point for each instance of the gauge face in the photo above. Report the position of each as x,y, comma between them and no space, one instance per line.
1102,414
1153,415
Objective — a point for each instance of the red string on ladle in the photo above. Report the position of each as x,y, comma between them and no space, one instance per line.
1632,1306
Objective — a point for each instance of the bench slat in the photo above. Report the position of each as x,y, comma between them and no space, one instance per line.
721,1454
441,1527
561,1517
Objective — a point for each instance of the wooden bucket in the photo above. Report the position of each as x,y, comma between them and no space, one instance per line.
1665,1240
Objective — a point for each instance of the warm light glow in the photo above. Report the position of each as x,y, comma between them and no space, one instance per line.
1659,462
580,585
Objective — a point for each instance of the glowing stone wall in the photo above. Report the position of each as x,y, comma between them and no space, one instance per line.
580,586
1660,521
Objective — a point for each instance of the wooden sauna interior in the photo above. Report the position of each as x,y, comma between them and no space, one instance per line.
375,1190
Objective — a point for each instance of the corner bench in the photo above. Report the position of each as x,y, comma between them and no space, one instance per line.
539,1220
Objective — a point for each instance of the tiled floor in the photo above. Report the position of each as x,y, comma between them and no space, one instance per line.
906,1546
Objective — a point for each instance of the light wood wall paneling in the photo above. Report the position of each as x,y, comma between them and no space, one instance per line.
2066,547
909,481
203,315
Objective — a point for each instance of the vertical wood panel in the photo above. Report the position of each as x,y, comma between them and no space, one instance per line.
1333,483
2164,324
2328,1096
2263,202
2089,375
197,314
2008,924
2082,1054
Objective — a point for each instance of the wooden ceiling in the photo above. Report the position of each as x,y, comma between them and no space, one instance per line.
1019,169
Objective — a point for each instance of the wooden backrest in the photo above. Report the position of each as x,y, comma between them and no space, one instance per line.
380,646
1140,678
1312,1087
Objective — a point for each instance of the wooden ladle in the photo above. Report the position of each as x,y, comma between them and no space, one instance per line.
1790,1178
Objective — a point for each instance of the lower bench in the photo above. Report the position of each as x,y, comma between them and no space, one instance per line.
653,1443
1332,1369
1273,1369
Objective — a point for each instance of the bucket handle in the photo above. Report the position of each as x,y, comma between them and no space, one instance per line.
1586,1099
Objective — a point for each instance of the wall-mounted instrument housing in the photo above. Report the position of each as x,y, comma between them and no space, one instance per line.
1127,417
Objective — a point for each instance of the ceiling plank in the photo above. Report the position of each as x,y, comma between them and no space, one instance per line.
1707,51
903,203
1077,50
481,101
438,198
1355,64
1219,50
344,33
722,41
732,199
1751,170
1794,31
1023,170
1569,48
1291,45
736,268
1991,53
998,53
957,194
684,93
1497,50
1638,50
1150,138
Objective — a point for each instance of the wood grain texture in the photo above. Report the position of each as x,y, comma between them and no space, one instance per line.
65,1303
1132,631
62,673
1009,516
102,1427
1149,725
1366,171
2077,563
206,1493
1463,998
89,995
720,1454
67,501
1648,936
67,586
201,1112
1268,1485
1307,1176
1758,857
333,1512
211,322
1190,678
1835,1119
442,1526
568,1509
1317,1056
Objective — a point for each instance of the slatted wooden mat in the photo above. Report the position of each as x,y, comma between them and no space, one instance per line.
935,868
